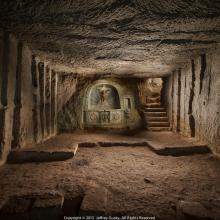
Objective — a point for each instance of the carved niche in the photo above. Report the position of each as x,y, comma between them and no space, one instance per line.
104,107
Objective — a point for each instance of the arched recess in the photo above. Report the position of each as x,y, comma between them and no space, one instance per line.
103,104
103,97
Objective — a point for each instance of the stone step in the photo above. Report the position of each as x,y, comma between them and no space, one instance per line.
155,114
157,129
158,124
153,105
157,119
160,109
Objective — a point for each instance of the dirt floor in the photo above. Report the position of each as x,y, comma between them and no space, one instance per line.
137,181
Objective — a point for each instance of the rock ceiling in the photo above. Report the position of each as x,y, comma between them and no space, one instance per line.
141,37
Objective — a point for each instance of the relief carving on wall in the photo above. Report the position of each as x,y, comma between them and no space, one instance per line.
104,105
104,97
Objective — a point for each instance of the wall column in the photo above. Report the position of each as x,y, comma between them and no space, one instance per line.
42,92
17,101
8,85
53,102
27,105
48,100
38,102
3,87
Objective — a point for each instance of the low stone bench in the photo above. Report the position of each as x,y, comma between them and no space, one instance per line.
18,157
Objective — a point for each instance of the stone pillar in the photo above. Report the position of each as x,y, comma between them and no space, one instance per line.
53,102
1,82
48,99
175,100
17,101
56,104
182,102
179,100
8,79
27,136
4,55
172,104
167,96
42,92
38,102
1,59
188,73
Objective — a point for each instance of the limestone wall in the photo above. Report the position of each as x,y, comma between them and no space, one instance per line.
194,104
167,97
66,88
27,97
72,114
8,79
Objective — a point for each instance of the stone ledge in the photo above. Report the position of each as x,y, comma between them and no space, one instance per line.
17,157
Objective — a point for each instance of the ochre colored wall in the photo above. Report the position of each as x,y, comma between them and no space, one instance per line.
23,97
71,116
196,87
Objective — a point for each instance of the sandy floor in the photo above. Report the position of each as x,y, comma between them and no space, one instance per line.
139,182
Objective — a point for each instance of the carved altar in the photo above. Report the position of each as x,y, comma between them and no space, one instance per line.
108,104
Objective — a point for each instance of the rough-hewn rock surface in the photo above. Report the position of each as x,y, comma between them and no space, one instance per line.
192,210
86,64
73,114
115,36
28,96
192,96
45,47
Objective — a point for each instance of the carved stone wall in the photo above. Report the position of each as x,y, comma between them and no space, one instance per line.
102,103
28,93
192,97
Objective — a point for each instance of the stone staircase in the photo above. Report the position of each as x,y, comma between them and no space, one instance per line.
156,117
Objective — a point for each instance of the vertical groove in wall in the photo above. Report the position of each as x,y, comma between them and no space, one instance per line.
53,101
4,93
209,86
34,85
34,72
48,100
172,94
191,98
184,106
41,87
202,73
56,101
178,102
17,100
4,77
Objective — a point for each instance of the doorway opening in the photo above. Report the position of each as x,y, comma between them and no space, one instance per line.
154,88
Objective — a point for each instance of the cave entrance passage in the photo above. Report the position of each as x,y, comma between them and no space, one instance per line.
154,87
